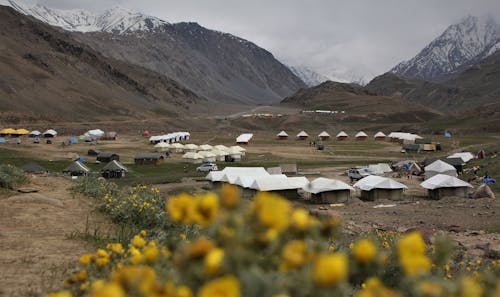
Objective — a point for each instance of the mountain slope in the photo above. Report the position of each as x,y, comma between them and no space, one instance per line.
308,76
358,101
46,72
477,86
216,65
459,46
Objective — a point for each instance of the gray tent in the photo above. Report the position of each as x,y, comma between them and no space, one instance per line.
114,170
34,168
77,169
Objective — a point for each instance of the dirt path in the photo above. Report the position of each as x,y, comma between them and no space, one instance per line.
34,236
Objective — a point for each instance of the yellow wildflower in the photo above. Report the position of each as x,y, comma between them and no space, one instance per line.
364,251
143,232
183,291
300,219
227,286
293,255
205,209
85,259
81,275
411,254
470,288
213,261
138,241
230,196
373,287
272,211
101,261
179,208
416,264
182,236
330,269
116,248
150,253
107,290
411,243
84,286
199,248
102,253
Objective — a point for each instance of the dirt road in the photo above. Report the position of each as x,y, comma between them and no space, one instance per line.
34,236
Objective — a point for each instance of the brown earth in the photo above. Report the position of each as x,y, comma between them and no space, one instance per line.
35,235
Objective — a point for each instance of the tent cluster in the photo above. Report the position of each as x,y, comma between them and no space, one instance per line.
169,137
113,169
22,132
342,135
193,153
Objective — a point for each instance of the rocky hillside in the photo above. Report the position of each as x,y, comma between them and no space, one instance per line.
458,47
219,66
308,76
355,100
45,72
477,86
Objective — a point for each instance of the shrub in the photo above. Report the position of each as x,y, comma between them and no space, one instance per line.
11,176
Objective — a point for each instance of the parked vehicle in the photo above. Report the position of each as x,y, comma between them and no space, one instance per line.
207,167
357,173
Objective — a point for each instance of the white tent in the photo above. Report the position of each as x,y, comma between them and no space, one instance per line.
221,147
208,156
342,134
244,138
465,156
35,133
323,134
192,157
205,147
439,167
444,181
278,183
220,155
375,169
379,134
238,148
161,146
378,182
215,176
190,147
302,134
322,184
282,134
361,134
50,132
96,132
179,147
238,171
235,154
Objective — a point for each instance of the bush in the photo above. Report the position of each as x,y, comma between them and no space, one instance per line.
11,176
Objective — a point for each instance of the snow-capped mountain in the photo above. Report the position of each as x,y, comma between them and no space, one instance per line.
114,20
462,44
310,77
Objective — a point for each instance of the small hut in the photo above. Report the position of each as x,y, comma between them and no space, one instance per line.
302,135
244,138
325,190
324,135
148,158
377,187
442,185
361,135
50,133
192,157
76,169
379,136
280,184
282,135
342,135
439,167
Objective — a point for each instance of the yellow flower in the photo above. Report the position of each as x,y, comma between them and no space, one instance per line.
213,261
116,248
84,286
330,269
81,275
179,208
272,211
373,287
300,219
230,196
60,294
429,289
183,291
470,288
182,236
143,232
138,241
411,243
227,286
205,209
199,248
101,261
293,255
150,253
102,253
85,259
364,251
416,264
107,290
411,254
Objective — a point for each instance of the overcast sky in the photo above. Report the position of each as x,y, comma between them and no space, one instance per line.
358,37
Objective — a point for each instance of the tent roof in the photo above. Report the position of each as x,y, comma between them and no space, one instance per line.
238,148
443,181
378,182
7,131
219,152
439,166
221,147
76,166
466,156
96,132
361,134
302,134
278,183
50,131
162,145
22,131
206,154
282,133
342,134
35,132
245,137
379,134
215,175
190,146
323,134
239,171
115,166
34,167
177,145
205,147
322,184
147,156
192,155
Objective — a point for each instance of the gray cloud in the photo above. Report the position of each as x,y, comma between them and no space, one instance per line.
362,37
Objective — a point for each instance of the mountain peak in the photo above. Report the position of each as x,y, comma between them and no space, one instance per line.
460,45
